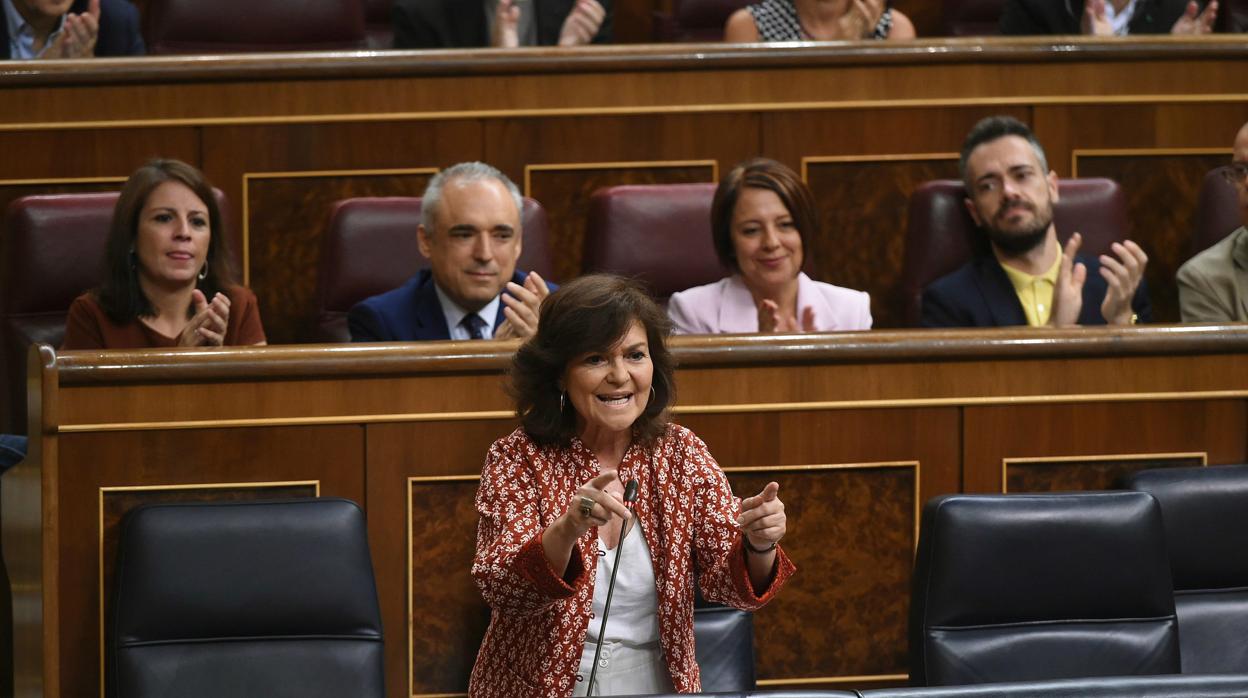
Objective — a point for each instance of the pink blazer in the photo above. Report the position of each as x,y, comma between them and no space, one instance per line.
727,306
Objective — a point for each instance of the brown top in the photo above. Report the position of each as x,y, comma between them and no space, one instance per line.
89,327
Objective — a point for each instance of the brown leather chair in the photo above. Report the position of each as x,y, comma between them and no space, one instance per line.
695,20
657,233
972,17
1217,214
941,236
370,248
50,253
240,26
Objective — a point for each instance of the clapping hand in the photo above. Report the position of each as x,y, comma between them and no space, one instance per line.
1095,21
771,320
78,35
207,326
1194,20
582,23
506,25
522,307
860,18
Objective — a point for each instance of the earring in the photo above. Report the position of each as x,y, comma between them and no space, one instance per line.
203,273
652,393
562,398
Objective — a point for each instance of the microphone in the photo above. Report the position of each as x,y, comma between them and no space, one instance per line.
630,499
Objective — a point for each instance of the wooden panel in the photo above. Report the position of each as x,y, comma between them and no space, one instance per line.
1094,430
565,191
851,533
863,213
286,218
331,456
1162,193
448,616
1085,472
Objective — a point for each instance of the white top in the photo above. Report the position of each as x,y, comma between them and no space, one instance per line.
634,618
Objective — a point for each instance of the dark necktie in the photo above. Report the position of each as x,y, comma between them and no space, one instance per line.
475,326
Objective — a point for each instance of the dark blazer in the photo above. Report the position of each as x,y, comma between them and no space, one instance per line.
979,294
1038,17
119,29
462,23
409,313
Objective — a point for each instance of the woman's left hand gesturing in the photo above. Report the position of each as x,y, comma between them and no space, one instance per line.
762,518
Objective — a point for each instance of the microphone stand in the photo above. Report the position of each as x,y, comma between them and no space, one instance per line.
630,497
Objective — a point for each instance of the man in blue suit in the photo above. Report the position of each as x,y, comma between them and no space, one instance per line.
69,29
1027,278
470,232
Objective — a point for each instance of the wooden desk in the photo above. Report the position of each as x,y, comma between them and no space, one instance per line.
859,429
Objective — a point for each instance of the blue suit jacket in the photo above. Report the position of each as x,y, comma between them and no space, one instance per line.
979,294
409,313
119,29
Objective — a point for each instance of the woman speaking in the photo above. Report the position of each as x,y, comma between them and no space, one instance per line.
592,389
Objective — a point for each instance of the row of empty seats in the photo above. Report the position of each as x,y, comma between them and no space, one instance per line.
1006,588
52,248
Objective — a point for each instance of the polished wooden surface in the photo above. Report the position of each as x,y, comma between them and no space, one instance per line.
859,429
284,135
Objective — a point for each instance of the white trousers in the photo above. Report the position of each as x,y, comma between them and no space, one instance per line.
623,671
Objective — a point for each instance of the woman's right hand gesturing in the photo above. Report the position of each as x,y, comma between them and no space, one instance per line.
591,505
207,326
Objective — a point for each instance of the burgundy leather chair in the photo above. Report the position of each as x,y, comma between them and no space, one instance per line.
1217,214
695,20
941,236
657,233
972,17
370,248
240,26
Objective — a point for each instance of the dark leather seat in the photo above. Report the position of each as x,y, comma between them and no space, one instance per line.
370,247
940,235
972,17
1205,511
1217,213
245,599
52,251
657,233
1112,687
724,646
236,26
1037,587
695,20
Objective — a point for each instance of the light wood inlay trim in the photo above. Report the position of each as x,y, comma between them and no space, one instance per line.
768,107
1007,462
689,409
306,174
316,484
832,679
903,157
624,165
1136,152
61,180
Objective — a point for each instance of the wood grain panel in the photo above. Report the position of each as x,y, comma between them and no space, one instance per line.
1090,473
397,452
994,434
448,616
92,152
851,533
332,456
286,219
863,208
1162,190
565,192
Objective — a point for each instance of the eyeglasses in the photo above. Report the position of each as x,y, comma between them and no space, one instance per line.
1235,173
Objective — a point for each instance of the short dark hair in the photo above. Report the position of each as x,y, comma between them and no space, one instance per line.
761,173
589,314
119,294
990,129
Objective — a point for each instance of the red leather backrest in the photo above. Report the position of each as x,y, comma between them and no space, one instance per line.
1217,214
370,248
660,234
941,236
230,26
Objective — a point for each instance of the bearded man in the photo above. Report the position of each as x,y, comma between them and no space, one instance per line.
1029,278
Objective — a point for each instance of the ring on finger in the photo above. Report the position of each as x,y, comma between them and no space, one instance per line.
587,506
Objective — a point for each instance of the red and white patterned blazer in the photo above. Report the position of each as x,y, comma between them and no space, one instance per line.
540,617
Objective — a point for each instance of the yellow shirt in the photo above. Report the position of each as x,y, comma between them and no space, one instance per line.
1035,292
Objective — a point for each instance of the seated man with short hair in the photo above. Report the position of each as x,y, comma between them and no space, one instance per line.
1028,279
1108,17
32,29
470,232
1213,285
